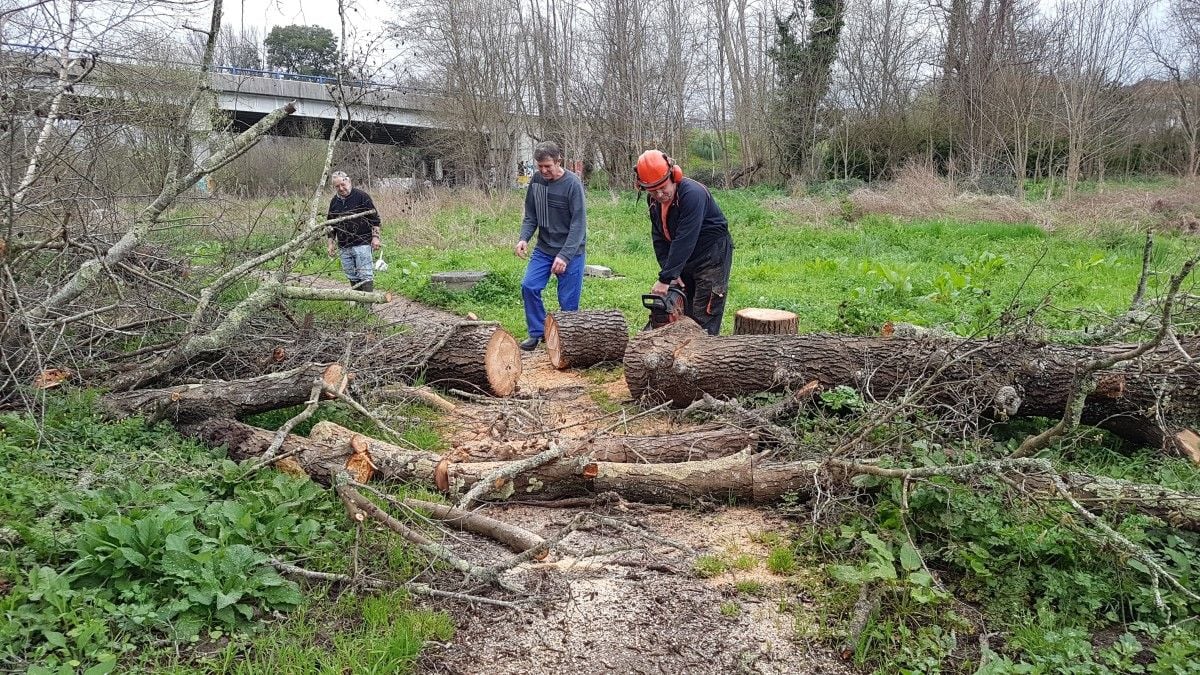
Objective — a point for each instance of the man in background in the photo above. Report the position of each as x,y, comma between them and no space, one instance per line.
355,239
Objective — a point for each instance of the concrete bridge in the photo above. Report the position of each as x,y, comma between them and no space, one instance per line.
379,113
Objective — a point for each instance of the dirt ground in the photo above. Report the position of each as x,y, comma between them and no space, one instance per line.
615,600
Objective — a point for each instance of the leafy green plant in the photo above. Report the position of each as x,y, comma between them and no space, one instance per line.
843,398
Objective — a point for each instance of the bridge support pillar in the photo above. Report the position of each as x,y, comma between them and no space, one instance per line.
202,137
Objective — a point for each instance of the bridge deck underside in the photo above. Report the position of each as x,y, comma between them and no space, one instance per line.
319,127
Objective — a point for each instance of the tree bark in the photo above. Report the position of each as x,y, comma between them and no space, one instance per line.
756,321
516,538
681,447
391,461
204,400
320,459
741,477
1152,400
582,339
482,355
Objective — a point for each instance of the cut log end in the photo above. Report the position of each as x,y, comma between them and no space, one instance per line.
1188,442
332,377
502,360
554,344
761,321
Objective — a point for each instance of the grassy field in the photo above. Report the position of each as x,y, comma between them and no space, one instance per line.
142,551
838,275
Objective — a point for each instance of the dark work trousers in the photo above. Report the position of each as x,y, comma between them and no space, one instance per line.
706,284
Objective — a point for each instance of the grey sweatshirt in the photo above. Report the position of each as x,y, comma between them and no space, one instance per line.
561,223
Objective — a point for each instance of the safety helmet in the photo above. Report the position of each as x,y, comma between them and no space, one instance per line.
654,168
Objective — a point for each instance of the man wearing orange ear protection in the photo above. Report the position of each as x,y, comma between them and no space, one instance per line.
691,238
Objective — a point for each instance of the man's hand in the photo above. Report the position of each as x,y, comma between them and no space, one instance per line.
330,248
559,266
521,248
659,288
376,244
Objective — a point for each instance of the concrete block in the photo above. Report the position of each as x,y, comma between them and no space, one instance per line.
462,280
597,271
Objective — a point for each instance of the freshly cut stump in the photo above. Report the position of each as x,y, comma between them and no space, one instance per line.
585,338
483,356
759,321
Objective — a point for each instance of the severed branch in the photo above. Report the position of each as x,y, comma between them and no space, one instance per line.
345,486
498,478
420,394
1084,382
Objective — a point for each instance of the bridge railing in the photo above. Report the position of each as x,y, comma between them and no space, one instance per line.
39,50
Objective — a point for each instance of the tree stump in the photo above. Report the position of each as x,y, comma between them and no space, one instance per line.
483,356
759,321
582,339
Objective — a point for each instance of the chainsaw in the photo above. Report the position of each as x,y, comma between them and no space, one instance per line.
665,309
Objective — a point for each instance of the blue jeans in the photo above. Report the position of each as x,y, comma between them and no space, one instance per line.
358,262
537,275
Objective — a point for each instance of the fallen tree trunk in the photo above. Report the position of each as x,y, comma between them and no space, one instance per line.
204,400
586,338
740,477
681,447
482,355
1152,400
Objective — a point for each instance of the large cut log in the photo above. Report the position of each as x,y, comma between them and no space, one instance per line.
1152,400
234,398
586,338
759,321
682,447
481,355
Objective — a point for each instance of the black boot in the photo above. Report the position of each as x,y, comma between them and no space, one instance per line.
368,286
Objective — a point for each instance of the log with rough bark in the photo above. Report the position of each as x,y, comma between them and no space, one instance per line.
681,447
740,477
482,355
391,461
586,338
203,400
1152,400
759,321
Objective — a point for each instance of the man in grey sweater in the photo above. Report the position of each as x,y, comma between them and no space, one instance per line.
554,209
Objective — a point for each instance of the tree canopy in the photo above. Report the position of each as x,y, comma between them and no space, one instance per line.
306,50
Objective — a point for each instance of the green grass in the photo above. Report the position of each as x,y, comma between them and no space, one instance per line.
131,535
377,634
837,276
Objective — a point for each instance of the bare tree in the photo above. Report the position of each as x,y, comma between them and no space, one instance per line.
1175,43
1097,58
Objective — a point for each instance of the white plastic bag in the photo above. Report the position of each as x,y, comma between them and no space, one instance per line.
381,264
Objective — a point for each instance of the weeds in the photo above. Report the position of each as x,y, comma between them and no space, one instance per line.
132,534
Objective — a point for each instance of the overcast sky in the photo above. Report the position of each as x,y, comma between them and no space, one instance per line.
363,16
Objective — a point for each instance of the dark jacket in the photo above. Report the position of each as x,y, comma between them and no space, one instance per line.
356,231
695,225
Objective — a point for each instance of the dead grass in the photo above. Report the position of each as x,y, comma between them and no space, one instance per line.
918,192
440,218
